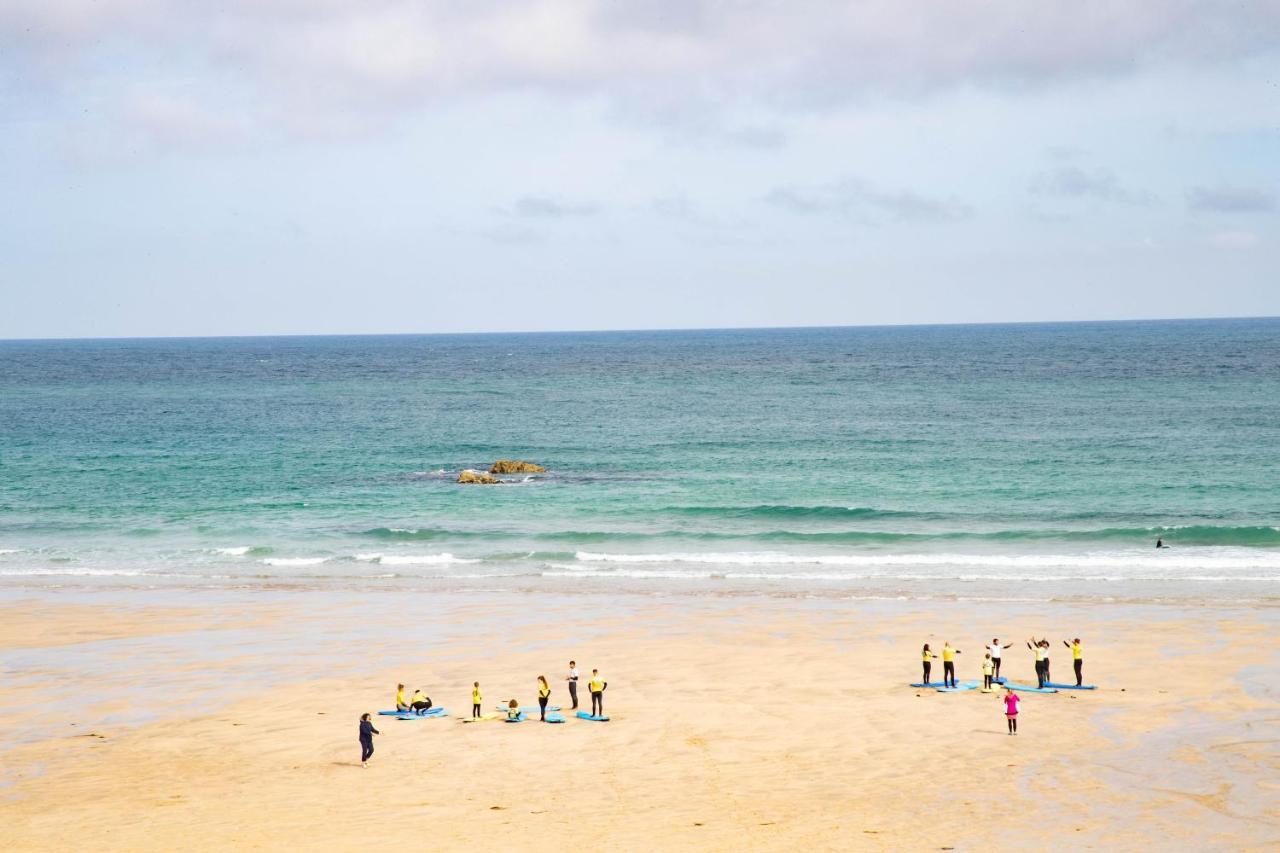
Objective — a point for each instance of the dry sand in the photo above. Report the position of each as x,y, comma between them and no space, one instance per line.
740,724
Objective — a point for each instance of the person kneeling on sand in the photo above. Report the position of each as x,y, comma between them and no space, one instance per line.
402,704
513,710
420,703
367,731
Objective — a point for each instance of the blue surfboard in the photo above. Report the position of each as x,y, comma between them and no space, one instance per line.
527,709
1030,688
595,718
413,715
555,718
1057,686
519,719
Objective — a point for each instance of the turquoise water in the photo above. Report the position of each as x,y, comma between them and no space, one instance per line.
1004,461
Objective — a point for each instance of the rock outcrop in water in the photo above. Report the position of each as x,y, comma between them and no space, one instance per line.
516,466
477,477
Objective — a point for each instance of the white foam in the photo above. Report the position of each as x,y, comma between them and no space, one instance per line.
1226,558
422,559
122,573
369,558
239,551
294,561
4,551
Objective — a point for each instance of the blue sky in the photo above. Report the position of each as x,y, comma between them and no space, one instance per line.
329,166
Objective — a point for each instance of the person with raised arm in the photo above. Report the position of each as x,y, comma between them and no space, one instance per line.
1077,659
995,648
1038,647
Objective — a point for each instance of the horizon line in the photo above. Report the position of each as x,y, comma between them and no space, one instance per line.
638,330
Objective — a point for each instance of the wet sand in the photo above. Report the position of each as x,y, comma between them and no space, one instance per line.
737,724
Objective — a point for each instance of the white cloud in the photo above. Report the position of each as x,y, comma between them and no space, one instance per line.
1227,199
314,62
1071,181
861,200
1233,240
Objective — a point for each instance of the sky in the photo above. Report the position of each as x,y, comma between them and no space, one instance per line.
373,166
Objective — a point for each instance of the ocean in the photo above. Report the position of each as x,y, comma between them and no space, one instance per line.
987,462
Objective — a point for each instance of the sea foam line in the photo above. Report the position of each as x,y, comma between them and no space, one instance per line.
1118,560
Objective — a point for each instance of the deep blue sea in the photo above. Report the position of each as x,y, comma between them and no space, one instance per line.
1019,462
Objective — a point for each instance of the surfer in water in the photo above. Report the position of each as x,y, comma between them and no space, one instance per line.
1159,542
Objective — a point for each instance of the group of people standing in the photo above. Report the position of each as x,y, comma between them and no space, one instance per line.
419,703
993,658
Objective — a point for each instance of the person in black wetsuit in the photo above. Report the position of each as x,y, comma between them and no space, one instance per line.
367,731
572,678
420,703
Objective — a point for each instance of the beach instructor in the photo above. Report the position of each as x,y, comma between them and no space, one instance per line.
572,678
995,649
367,731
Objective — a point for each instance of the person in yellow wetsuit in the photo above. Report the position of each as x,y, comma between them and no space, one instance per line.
544,693
597,685
1077,659
1042,670
988,671
402,704
420,703
476,699
927,658
949,664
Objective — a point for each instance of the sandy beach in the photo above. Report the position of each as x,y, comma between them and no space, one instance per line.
753,723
